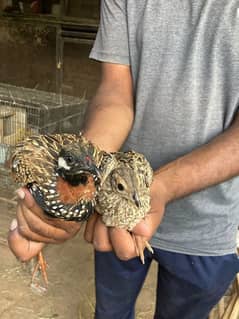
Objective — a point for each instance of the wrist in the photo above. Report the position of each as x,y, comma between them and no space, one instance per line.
159,191
163,185
101,141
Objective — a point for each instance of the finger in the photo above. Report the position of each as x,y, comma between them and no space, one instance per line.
28,201
148,226
142,229
25,197
22,248
25,231
70,227
34,228
123,243
89,228
101,238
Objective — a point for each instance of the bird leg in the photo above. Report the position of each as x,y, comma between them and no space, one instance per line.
40,265
140,244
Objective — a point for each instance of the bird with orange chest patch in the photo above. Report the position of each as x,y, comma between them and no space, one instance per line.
61,172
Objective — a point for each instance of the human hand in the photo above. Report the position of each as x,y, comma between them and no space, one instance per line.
120,240
128,245
105,238
32,228
148,226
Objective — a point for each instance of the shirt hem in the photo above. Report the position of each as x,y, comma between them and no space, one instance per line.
192,251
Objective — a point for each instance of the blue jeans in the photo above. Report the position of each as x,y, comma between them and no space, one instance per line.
187,286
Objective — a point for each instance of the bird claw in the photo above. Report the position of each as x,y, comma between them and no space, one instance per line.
41,266
149,247
140,245
141,256
38,288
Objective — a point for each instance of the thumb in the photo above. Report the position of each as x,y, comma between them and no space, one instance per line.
25,196
148,226
21,247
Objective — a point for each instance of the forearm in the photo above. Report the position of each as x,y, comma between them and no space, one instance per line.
110,115
208,165
109,121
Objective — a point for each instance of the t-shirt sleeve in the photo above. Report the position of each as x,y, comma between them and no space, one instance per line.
111,43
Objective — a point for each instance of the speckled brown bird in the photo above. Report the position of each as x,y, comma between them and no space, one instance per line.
61,172
124,197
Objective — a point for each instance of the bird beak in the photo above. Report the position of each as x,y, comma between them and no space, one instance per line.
93,169
136,199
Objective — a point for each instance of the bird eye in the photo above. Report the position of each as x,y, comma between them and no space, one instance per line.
120,187
69,159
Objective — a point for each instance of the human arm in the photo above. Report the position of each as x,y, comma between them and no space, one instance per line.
108,123
110,115
208,165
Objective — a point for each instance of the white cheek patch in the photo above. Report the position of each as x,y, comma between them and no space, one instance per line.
62,164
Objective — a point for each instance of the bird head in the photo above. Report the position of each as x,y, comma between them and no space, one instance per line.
76,163
124,183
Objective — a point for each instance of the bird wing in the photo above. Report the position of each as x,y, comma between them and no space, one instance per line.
35,158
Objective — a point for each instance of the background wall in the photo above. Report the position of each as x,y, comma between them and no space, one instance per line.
28,59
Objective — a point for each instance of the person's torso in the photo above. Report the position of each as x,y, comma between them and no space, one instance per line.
184,57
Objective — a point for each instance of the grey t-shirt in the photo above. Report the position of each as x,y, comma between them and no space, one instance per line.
184,57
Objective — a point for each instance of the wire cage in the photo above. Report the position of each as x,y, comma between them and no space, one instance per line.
24,112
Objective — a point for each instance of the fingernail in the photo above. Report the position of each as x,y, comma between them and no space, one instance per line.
20,193
13,225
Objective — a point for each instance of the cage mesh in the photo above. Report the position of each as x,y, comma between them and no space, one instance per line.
24,112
